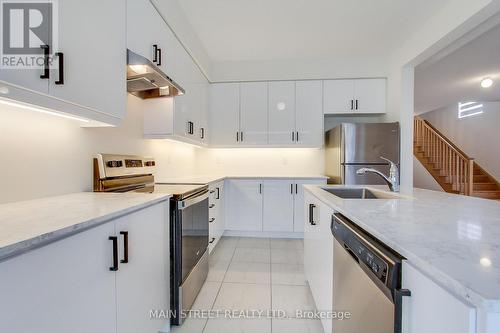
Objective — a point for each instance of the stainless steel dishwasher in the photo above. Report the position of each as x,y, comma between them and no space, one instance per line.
366,281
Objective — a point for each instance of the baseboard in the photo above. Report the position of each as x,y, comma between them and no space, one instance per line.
263,234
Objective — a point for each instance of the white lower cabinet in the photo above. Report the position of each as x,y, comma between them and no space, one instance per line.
244,200
318,254
432,309
278,205
68,285
216,213
267,205
142,284
298,206
64,286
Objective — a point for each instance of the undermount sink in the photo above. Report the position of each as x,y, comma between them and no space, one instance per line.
360,193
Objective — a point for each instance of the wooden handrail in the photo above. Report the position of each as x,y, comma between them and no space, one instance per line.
452,163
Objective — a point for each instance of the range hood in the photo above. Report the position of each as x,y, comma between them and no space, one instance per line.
146,80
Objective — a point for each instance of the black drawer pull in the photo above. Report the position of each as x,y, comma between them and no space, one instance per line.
114,268
125,247
218,193
46,53
211,220
60,57
311,212
211,206
212,240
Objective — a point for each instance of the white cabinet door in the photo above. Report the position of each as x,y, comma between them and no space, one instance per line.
224,113
244,205
309,114
144,25
428,299
298,210
64,286
312,260
253,113
142,282
281,108
94,55
370,95
278,205
338,96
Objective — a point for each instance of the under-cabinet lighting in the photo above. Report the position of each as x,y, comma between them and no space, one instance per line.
41,110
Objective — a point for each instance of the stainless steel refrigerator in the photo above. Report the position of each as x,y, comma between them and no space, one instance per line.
350,147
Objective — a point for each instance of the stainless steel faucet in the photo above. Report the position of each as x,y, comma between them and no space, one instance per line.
393,179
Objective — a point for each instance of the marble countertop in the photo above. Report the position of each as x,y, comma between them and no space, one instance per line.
454,240
207,179
25,225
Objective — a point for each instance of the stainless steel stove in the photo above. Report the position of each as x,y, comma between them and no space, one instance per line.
188,222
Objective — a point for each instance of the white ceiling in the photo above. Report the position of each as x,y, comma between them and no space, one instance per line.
266,30
457,76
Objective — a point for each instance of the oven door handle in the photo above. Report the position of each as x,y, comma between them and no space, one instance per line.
192,201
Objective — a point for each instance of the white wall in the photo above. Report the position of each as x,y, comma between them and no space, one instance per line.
42,155
422,178
477,136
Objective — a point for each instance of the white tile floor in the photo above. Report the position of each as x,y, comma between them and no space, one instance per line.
255,274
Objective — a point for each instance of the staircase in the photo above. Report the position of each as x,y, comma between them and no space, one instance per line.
451,168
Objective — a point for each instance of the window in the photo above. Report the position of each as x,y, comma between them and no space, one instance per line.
469,109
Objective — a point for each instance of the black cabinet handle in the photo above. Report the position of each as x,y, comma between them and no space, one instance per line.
297,136
241,136
211,206
125,247
237,136
155,53
46,53
190,127
114,268
357,105
260,188
60,57
293,136
291,188
296,189
211,220
212,240
159,57
202,133
218,193
352,104
311,212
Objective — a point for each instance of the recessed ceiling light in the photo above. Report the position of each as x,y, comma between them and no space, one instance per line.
486,262
486,83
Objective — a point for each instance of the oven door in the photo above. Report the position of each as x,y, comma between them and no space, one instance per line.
189,252
193,213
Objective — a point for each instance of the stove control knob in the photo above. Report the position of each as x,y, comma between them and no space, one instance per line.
114,164
149,163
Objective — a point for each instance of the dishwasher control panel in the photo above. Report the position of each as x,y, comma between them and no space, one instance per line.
364,249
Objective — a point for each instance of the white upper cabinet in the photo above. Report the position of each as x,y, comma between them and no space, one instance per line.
253,113
278,205
309,114
281,108
338,96
86,74
224,114
354,96
370,95
93,73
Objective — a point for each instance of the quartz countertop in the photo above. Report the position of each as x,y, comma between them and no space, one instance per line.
25,225
452,239
207,179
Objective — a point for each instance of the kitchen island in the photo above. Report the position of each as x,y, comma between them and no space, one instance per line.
450,242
